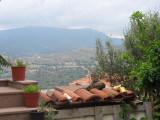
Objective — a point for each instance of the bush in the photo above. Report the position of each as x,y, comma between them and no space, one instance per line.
31,89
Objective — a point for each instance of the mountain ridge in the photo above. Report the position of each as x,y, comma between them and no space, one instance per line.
48,39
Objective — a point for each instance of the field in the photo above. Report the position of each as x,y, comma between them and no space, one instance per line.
57,68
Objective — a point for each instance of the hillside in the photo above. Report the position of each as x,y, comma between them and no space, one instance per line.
80,54
57,56
31,40
57,68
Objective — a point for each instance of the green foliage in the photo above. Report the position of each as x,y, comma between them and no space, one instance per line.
111,94
21,63
47,79
146,69
50,114
121,113
108,62
143,28
31,89
157,108
137,16
143,118
3,63
125,107
18,63
41,104
133,119
146,99
145,74
142,43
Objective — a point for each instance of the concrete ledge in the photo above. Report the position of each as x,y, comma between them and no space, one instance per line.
11,97
4,82
110,112
21,84
5,90
16,113
15,110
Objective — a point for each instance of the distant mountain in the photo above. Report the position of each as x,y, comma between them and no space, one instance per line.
47,39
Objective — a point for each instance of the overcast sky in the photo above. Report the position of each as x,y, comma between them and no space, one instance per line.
107,16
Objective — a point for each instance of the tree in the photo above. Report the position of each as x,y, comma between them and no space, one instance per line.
141,51
140,57
143,29
108,65
142,42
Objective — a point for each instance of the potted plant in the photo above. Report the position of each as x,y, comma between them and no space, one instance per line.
50,114
18,70
41,113
38,114
31,95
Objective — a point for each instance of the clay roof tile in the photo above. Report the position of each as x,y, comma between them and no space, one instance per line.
74,96
117,96
104,96
130,94
46,98
59,96
87,80
87,96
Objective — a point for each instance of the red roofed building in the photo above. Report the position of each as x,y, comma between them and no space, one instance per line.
87,80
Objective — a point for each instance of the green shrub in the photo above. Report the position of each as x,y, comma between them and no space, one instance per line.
31,89
21,63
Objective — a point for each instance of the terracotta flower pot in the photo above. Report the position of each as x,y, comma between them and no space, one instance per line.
18,73
31,99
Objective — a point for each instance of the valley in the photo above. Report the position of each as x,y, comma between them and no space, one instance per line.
57,56
58,68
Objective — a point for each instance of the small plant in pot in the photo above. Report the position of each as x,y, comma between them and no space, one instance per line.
38,114
18,70
50,113
41,113
31,95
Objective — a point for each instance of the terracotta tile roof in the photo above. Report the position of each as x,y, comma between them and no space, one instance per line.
58,96
70,95
86,95
130,94
117,96
82,80
73,96
104,96
46,98
71,87
87,80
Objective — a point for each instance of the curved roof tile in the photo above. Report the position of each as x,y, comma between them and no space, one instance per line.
117,96
104,96
59,96
74,96
130,94
46,98
87,96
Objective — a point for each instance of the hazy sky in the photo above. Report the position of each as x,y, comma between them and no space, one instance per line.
108,16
